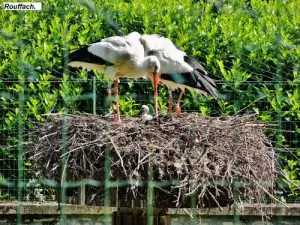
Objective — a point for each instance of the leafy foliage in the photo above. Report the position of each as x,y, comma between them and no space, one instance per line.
250,47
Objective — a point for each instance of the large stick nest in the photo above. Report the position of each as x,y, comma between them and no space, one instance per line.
214,160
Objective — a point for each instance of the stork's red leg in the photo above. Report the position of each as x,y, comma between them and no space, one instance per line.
155,79
111,102
170,103
178,109
116,92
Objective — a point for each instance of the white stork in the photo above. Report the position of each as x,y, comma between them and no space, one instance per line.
117,56
177,70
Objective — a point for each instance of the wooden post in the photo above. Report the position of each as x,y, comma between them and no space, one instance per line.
150,191
164,220
83,187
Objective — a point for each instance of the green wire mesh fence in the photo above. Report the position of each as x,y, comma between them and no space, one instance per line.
252,49
19,135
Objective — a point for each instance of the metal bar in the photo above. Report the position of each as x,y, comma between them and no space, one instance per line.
20,152
94,95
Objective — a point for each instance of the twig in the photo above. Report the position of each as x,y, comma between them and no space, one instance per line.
118,153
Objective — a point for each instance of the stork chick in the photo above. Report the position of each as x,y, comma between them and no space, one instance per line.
145,116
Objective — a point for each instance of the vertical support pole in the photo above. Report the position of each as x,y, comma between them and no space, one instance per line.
94,95
193,209
236,218
107,187
83,186
193,199
150,192
64,136
117,196
278,96
20,150
64,162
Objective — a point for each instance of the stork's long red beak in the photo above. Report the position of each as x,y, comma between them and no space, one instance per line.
155,79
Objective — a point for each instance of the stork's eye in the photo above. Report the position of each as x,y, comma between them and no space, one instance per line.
155,67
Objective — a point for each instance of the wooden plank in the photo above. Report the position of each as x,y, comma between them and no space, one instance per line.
119,218
144,220
113,197
135,219
113,218
164,220
138,219
128,219
155,220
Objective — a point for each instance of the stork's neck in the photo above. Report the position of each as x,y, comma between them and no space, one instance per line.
147,64
145,115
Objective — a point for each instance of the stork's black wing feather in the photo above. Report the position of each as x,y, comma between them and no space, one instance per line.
181,78
202,76
194,63
83,55
197,78
205,83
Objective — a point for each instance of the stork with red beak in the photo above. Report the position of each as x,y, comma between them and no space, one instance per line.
176,70
147,56
117,56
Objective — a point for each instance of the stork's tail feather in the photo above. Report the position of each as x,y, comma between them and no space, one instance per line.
204,82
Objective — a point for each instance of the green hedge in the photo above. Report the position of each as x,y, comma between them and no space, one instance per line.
250,47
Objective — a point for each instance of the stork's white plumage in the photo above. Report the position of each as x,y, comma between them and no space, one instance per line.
117,56
177,70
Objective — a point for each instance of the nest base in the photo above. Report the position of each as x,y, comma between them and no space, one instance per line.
209,161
